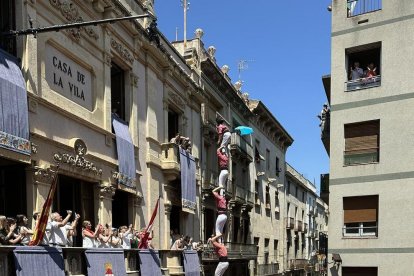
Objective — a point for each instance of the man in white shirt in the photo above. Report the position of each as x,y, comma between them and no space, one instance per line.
59,229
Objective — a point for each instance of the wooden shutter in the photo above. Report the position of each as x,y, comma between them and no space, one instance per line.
362,137
360,209
359,271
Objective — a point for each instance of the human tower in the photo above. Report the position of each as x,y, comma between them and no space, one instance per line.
219,193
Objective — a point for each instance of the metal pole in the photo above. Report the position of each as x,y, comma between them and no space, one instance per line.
34,31
185,23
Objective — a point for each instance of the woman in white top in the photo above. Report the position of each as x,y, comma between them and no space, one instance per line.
23,229
103,236
125,233
89,237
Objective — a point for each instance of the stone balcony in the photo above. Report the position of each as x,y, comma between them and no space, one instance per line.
305,228
241,148
299,226
290,223
298,264
243,196
170,163
235,251
209,179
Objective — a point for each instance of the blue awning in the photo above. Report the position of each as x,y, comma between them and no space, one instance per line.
125,150
14,118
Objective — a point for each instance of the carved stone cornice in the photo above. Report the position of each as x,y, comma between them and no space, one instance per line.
108,59
71,13
122,50
177,100
138,199
106,191
34,148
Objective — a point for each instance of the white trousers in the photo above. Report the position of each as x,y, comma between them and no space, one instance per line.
223,178
220,222
221,268
226,140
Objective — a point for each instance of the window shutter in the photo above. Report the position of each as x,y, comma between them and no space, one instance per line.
360,209
362,137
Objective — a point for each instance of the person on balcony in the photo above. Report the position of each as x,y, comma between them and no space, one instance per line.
60,229
126,235
221,252
7,234
22,228
223,161
89,236
221,211
356,72
223,134
371,71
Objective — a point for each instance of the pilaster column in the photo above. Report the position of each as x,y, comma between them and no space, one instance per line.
106,193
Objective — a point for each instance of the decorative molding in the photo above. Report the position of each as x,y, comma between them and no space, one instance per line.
108,59
122,50
78,160
134,79
167,207
123,179
138,199
106,191
34,148
176,100
71,13
44,175
33,105
14,143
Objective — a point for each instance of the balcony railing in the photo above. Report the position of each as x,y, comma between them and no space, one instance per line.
290,223
298,264
239,146
362,231
364,156
235,251
267,269
75,262
358,7
210,179
244,195
363,83
299,226
170,163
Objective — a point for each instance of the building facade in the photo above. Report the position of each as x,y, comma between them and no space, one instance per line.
370,141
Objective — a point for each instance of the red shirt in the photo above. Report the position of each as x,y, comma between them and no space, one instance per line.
223,160
220,249
221,129
220,201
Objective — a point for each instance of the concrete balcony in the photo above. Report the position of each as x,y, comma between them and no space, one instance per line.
240,148
299,226
75,262
243,196
210,179
290,223
235,251
170,163
298,264
267,269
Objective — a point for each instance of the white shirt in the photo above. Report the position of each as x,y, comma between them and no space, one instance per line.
126,240
357,73
88,242
58,235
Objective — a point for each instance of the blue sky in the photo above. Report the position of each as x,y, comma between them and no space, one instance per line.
289,43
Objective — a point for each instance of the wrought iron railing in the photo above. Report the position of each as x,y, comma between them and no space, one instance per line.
298,264
239,143
358,7
235,251
363,83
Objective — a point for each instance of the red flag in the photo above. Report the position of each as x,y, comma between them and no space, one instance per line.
143,243
42,220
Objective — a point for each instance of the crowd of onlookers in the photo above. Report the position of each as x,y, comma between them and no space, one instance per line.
180,242
358,73
61,232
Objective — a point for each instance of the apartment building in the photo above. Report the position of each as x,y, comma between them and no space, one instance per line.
369,141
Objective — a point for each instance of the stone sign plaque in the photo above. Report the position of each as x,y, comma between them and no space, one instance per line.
68,78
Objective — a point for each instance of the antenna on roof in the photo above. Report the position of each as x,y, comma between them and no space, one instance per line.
186,6
242,65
